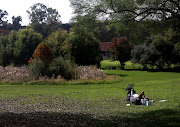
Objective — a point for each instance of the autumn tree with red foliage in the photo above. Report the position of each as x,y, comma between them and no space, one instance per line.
42,52
120,50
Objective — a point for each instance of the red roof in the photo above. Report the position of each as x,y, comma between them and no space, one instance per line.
105,46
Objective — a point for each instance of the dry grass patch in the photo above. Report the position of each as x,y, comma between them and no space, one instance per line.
90,72
15,74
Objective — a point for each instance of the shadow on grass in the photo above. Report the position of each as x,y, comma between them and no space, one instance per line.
158,118
155,70
50,119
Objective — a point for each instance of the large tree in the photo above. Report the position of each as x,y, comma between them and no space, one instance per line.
3,17
43,18
128,10
16,22
131,9
84,48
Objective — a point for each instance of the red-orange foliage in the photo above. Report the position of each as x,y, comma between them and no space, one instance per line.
42,52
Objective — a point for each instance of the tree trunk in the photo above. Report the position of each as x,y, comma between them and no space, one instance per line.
122,65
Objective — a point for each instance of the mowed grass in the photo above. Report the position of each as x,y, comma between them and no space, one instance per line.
96,103
128,65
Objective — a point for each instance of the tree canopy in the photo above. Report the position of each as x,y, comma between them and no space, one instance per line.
40,13
3,17
43,19
130,10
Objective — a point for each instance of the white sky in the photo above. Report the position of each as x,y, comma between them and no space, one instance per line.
19,8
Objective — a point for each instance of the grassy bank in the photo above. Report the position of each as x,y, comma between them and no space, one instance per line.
93,103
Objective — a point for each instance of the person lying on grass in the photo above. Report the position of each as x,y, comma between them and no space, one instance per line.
132,96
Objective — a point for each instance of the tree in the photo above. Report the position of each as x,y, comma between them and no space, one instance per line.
3,15
3,22
176,54
42,14
21,45
121,50
43,18
161,50
166,46
145,55
98,28
56,41
131,9
3,53
84,48
16,22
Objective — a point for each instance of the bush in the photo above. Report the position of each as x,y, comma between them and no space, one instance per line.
59,67
42,52
65,68
39,69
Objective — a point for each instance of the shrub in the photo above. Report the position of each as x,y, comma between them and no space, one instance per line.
39,69
42,52
65,68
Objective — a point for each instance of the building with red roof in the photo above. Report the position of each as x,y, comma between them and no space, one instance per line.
104,48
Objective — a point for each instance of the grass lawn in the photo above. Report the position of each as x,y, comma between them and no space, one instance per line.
93,103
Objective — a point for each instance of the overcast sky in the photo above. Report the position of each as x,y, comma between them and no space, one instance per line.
19,8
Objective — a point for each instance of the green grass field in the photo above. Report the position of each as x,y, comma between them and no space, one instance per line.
93,103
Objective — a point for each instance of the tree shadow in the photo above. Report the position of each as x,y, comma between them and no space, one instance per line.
155,70
158,118
50,119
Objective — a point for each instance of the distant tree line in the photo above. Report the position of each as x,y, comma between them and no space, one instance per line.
18,46
162,50
151,29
